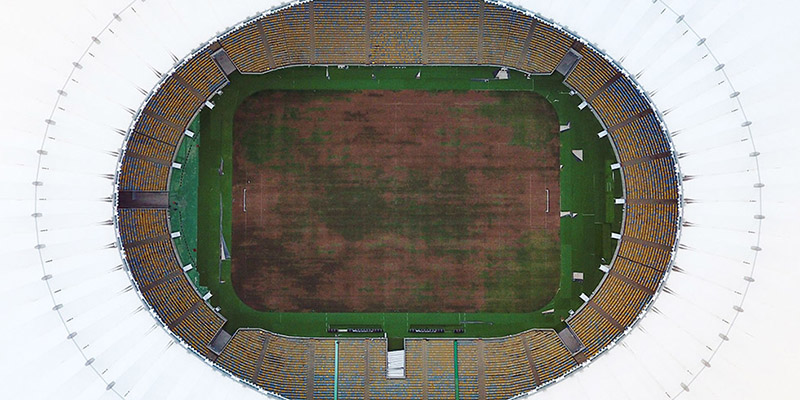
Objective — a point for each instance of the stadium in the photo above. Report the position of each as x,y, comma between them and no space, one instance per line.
419,199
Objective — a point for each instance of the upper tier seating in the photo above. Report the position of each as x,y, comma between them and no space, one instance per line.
143,145
594,331
646,276
647,222
141,174
157,129
289,35
468,369
324,359
548,46
284,367
496,27
652,257
174,103
620,300
619,102
240,355
641,138
246,49
655,179
441,371
172,298
591,73
202,74
550,356
340,31
353,367
508,372
453,31
396,32
150,262
199,328
137,225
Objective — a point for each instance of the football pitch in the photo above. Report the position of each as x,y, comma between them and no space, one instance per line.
402,201
365,197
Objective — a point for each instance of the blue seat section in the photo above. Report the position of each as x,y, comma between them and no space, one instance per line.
396,32
408,388
284,367
441,369
240,355
340,35
171,298
246,49
650,222
508,372
288,35
619,102
136,225
551,358
642,137
203,74
174,103
199,328
453,31
652,179
620,300
646,256
324,359
591,72
156,129
353,368
548,46
594,331
143,145
143,175
468,369
642,273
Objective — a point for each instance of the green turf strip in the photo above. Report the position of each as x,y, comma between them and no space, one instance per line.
183,203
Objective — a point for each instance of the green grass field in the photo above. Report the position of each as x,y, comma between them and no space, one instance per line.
587,189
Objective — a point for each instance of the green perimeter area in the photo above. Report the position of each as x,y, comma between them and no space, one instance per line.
183,203
588,189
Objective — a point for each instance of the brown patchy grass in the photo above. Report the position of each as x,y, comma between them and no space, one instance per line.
381,201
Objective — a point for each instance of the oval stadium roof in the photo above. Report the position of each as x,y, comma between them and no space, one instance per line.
720,72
